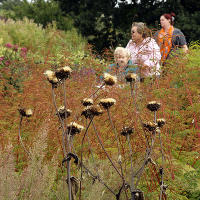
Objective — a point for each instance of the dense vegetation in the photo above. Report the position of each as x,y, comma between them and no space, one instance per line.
27,50
106,23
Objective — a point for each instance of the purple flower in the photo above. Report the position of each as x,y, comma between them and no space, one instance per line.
8,45
24,49
15,48
1,58
7,63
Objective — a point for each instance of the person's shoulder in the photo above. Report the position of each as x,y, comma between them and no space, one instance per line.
177,31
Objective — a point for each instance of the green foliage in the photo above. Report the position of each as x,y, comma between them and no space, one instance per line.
40,11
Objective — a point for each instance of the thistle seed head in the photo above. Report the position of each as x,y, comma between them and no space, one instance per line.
91,111
138,194
74,128
109,79
63,72
150,126
161,122
51,77
107,103
63,112
87,102
153,106
25,112
131,77
127,131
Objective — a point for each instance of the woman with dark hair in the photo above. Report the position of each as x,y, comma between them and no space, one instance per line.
145,53
169,38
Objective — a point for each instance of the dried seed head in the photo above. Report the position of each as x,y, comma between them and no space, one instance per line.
153,106
157,130
107,103
161,122
138,194
64,113
127,131
150,126
91,111
163,188
29,112
119,159
74,128
109,79
25,112
63,72
51,77
87,102
131,77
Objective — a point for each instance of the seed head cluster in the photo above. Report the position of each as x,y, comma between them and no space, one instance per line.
87,102
153,106
150,126
51,77
91,111
131,77
107,103
63,72
74,128
63,112
25,112
161,122
109,79
127,131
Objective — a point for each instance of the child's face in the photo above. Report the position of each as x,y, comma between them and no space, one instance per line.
121,59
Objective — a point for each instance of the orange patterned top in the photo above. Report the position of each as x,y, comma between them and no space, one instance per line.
165,42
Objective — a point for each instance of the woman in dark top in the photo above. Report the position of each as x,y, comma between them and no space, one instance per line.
169,38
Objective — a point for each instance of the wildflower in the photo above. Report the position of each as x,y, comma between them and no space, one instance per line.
51,77
109,80
131,77
25,112
1,58
107,103
63,113
153,106
127,131
74,128
91,111
87,102
15,48
63,73
8,45
150,126
161,122
24,49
